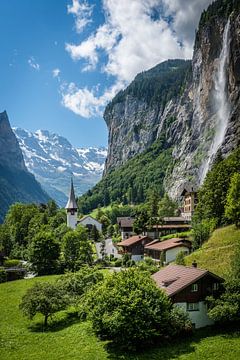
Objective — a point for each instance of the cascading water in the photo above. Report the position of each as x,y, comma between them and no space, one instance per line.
221,101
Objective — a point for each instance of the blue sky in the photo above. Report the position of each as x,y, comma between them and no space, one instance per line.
63,60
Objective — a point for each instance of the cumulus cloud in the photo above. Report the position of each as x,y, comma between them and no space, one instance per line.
87,103
32,62
82,12
135,36
56,72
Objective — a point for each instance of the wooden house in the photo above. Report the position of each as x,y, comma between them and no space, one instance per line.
125,226
134,246
167,249
188,288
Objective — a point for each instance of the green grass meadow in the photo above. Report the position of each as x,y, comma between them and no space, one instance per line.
67,338
216,254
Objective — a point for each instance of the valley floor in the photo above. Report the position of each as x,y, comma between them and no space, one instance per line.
21,339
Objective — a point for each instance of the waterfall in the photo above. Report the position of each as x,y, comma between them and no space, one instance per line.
221,102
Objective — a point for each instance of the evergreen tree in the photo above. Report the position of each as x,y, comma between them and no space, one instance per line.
232,208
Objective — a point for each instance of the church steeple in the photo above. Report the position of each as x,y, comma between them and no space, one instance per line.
71,209
71,204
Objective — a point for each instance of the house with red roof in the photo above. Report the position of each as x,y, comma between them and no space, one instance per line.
134,246
167,250
188,287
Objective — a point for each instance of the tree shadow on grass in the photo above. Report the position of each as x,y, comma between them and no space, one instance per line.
171,349
57,323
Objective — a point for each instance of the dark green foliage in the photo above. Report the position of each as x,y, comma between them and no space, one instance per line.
5,240
201,231
44,252
167,207
130,310
213,194
180,258
232,208
146,171
148,264
76,284
18,186
157,85
77,249
220,8
3,275
44,298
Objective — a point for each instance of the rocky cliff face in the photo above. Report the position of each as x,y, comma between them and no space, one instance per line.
16,183
10,153
197,122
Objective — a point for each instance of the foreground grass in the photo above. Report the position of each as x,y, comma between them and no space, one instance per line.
67,338
216,254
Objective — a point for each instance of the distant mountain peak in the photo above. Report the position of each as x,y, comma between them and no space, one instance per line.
52,159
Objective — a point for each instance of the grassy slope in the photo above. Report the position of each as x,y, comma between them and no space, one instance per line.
22,340
215,255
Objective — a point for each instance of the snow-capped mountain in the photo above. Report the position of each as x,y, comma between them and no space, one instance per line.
52,159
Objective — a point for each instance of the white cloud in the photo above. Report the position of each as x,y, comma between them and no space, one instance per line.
56,72
135,36
32,62
85,102
82,12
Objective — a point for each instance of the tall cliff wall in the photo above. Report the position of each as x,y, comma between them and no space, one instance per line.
199,118
16,183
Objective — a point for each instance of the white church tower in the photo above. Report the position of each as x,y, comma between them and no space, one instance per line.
71,209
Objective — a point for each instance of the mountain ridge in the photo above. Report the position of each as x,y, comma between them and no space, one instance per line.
53,160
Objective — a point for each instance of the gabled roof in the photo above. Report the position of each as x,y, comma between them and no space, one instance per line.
188,189
71,204
179,219
133,240
175,278
86,217
125,221
167,244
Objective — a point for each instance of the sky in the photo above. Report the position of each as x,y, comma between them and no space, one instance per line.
62,61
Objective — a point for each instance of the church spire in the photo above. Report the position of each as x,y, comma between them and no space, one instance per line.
71,204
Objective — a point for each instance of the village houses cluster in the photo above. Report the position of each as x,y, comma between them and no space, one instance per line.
187,287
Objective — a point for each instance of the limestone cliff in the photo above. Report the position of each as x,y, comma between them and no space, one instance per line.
199,119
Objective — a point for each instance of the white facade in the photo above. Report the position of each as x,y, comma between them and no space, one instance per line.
72,219
171,254
137,257
90,221
199,318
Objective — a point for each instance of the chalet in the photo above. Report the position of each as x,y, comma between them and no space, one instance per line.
88,221
169,225
190,200
188,288
125,226
134,246
167,249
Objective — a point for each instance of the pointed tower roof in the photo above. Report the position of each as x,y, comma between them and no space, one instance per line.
71,204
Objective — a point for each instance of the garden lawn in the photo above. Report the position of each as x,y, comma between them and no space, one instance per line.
67,338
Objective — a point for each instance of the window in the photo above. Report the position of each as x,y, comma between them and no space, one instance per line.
194,288
193,306
215,286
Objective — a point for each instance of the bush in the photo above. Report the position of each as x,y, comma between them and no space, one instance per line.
11,263
118,263
130,310
3,275
76,284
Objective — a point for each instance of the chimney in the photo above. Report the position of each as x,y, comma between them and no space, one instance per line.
194,264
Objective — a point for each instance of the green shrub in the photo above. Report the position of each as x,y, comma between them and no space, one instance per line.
3,275
11,263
